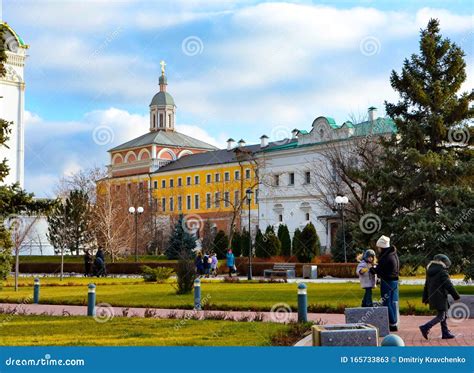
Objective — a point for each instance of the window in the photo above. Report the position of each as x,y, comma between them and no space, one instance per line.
277,180
227,176
217,178
280,218
247,173
171,183
188,202
171,203
163,204
208,200
237,175
169,120
188,180
155,184
180,181
307,216
208,178
163,183
154,120
226,199
217,199
291,180
307,177
196,201
236,198
196,180
161,120
180,203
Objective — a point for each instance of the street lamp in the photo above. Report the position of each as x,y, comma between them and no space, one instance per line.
249,200
136,211
341,202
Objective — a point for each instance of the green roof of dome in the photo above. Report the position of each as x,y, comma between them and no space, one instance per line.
15,35
162,99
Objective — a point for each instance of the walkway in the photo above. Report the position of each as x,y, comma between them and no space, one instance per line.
464,330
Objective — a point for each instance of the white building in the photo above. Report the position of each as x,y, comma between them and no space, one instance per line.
12,104
287,192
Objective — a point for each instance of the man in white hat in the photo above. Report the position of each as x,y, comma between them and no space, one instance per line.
388,269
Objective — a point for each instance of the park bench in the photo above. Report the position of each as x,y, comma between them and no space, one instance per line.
286,270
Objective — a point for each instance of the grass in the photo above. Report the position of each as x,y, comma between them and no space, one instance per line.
123,331
219,295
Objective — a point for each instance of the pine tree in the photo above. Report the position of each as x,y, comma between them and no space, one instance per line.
259,249
272,244
237,243
181,242
309,244
296,243
207,236
245,242
284,237
337,251
428,167
220,244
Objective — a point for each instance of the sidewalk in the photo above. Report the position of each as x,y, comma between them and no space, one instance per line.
409,332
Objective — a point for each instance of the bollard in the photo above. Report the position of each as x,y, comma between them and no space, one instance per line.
302,303
91,300
36,291
197,294
393,340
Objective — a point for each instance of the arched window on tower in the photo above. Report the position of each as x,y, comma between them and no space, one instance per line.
154,120
161,120
169,120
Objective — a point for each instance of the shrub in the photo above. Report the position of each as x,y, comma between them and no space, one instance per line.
412,270
296,243
284,237
272,245
185,273
259,249
158,274
309,244
469,271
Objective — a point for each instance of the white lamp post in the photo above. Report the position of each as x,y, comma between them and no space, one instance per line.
341,202
136,211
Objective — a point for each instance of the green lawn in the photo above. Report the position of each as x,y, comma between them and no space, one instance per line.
218,295
122,331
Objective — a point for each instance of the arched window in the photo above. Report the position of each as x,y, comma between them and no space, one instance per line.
161,120
154,120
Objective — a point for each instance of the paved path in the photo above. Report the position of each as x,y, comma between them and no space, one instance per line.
464,330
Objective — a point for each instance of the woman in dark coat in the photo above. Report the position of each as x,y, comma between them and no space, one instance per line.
437,287
87,263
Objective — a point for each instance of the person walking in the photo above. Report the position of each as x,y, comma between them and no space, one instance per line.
199,264
388,270
230,261
87,263
206,264
435,293
366,277
214,263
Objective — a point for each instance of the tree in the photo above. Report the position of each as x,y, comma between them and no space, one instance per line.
220,244
337,251
181,241
309,244
185,272
428,167
208,236
84,180
296,244
284,237
245,242
272,244
237,244
259,245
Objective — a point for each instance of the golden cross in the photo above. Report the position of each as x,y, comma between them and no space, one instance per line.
163,64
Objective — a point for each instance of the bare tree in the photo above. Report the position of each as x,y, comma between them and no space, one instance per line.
84,180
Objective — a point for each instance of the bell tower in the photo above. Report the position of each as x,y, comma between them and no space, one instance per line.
162,107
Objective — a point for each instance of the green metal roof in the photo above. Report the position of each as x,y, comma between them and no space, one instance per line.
21,43
167,138
162,99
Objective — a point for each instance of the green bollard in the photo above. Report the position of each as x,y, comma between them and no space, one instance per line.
91,300
36,291
302,303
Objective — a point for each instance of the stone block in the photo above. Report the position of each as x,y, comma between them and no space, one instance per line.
376,316
345,335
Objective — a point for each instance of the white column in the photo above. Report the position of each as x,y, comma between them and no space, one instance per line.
21,136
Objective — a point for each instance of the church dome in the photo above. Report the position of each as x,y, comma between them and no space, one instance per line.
162,99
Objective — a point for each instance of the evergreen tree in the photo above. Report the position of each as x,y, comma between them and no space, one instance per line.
237,243
337,251
259,249
208,236
284,237
245,242
428,166
309,244
270,229
272,244
220,244
296,243
181,242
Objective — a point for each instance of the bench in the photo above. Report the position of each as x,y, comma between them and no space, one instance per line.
286,270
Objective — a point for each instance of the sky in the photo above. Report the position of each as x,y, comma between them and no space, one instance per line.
236,69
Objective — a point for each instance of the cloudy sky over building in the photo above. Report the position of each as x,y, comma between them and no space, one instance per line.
235,68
